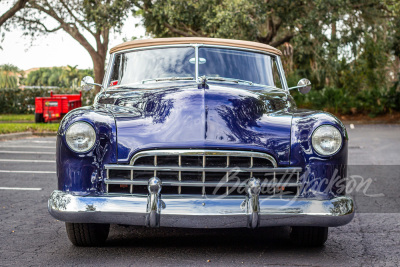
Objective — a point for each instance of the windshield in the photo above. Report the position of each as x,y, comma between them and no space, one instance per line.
236,64
138,67
179,63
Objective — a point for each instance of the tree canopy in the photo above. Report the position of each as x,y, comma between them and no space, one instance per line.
9,75
84,20
316,33
69,76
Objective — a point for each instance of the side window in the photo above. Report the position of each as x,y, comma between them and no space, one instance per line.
115,71
275,73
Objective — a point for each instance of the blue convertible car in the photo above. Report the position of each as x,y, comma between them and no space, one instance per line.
199,133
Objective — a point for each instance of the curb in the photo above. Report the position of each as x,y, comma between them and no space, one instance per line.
11,136
45,134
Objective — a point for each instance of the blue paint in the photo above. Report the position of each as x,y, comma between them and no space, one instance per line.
184,115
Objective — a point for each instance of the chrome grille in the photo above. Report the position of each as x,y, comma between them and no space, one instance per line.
206,172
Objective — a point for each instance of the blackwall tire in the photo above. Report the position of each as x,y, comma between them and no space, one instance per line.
39,117
87,234
309,236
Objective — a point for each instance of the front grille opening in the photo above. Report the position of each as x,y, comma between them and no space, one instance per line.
192,161
191,190
286,191
140,189
145,161
191,176
119,174
142,175
168,176
264,177
267,191
215,177
286,177
168,161
215,191
243,162
118,188
237,191
262,162
169,190
215,161
239,177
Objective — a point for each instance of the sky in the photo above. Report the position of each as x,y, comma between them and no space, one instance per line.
57,49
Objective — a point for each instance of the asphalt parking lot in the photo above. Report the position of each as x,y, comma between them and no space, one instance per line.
30,236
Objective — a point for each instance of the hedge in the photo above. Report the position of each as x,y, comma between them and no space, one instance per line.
22,101
338,101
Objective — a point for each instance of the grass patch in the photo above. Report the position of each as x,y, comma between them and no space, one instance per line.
17,117
28,127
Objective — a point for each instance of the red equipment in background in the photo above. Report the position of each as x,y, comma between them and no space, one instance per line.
56,106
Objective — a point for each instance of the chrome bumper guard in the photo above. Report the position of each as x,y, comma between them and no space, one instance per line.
198,211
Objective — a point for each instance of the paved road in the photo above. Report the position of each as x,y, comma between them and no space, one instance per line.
30,236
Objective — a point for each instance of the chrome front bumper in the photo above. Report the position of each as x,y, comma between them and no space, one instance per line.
200,212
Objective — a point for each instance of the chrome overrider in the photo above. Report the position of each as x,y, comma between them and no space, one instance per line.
253,203
154,203
197,211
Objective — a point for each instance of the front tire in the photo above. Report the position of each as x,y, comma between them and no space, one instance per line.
87,234
39,117
309,236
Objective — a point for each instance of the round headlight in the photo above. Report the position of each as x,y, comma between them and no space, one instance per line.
326,140
80,136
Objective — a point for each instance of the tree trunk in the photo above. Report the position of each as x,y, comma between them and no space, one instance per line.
98,67
11,12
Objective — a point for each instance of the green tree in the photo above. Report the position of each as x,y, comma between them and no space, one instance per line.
9,76
317,37
57,76
81,19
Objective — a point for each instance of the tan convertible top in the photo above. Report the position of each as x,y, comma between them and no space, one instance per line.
195,40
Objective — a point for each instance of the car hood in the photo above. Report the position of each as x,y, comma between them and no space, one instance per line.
215,117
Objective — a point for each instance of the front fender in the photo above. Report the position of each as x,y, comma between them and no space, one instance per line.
323,176
83,172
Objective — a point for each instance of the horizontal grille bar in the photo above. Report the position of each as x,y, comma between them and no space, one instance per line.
207,184
200,169
201,152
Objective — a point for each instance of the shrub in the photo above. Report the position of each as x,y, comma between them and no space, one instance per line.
18,101
339,101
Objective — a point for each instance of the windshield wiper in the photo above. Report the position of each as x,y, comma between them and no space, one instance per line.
223,79
238,81
167,79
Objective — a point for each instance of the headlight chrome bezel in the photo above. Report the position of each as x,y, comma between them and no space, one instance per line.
89,147
317,151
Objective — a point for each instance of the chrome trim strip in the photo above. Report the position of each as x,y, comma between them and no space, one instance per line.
194,45
180,172
240,48
201,152
106,79
196,56
282,74
200,211
201,169
153,47
206,184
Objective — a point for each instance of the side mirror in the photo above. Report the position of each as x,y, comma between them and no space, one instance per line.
88,83
304,86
